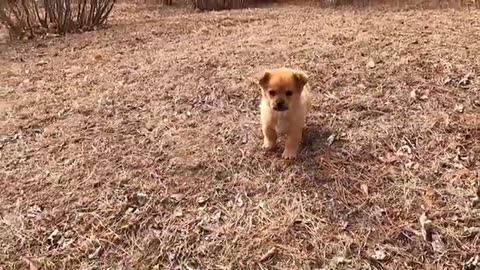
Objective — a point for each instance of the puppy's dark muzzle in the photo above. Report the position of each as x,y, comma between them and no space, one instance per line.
280,106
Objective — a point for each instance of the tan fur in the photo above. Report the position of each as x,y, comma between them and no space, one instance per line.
290,86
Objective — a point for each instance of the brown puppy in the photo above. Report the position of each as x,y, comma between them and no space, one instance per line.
285,103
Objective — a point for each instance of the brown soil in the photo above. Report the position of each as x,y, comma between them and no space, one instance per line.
139,145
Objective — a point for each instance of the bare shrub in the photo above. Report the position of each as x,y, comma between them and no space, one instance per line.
33,17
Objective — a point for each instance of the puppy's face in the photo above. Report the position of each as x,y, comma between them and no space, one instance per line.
282,87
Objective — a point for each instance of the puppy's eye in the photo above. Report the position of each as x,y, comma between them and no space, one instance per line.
289,93
271,93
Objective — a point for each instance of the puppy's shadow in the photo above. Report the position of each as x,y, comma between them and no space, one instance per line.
315,139
314,151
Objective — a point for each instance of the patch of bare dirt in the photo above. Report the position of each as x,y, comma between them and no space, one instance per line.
140,145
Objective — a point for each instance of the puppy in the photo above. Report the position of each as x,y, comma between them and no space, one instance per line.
283,110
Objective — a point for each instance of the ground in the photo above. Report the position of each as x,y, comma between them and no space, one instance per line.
138,146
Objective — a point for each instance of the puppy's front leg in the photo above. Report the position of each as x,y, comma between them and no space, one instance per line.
292,144
269,137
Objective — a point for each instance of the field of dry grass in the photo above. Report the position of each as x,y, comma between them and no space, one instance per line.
138,146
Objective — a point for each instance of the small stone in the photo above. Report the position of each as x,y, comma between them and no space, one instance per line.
380,254
459,108
370,64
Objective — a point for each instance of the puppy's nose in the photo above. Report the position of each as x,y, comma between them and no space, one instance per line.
280,105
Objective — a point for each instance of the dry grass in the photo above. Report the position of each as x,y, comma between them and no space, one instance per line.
138,146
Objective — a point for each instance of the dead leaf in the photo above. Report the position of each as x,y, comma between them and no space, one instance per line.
141,198
25,82
413,94
267,256
192,266
54,237
446,80
239,201
426,226
417,95
404,150
428,197
471,232
34,212
202,200
476,202
31,266
178,213
96,254
361,86
412,165
459,108
389,158
380,254
177,197
466,80
473,263
423,97
340,260
364,189
438,245
330,95
67,243
331,139
211,229
41,63
217,215
378,93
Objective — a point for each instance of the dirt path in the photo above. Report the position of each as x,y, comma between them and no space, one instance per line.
139,145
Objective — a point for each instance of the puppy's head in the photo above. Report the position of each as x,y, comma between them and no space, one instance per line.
282,87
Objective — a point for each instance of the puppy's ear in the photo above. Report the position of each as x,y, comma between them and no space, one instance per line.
301,78
263,78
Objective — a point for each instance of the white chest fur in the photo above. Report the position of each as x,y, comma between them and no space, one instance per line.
282,119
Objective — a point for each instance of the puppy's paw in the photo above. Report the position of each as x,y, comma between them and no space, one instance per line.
267,145
289,154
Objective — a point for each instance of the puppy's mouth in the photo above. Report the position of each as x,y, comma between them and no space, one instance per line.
280,109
